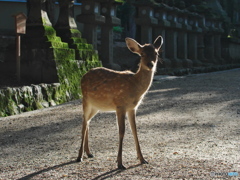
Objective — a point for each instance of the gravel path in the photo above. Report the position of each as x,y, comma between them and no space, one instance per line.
188,127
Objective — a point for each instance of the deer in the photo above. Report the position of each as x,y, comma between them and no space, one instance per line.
118,91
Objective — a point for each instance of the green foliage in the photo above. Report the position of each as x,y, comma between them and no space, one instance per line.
118,29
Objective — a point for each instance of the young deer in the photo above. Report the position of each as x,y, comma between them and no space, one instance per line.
121,91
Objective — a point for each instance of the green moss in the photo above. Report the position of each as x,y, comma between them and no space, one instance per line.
53,38
49,31
56,44
69,71
2,114
3,103
75,33
37,105
79,40
64,54
55,41
84,46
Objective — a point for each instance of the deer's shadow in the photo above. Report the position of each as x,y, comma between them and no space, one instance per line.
105,175
46,170
114,172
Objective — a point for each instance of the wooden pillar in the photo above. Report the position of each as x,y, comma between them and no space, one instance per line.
20,27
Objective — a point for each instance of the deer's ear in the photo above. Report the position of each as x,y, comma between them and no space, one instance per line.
158,42
133,46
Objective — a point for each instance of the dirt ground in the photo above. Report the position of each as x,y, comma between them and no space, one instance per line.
188,127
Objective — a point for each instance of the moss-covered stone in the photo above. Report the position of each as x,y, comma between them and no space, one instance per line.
78,40
69,73
68,70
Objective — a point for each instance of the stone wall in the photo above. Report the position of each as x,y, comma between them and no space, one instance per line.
27,98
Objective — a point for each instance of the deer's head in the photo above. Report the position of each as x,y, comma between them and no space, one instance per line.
148,52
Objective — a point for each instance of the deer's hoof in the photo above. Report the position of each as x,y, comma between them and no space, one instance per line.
79,159
144,161
121,167
90,155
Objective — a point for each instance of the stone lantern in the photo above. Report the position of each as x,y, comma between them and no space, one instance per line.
193,38
91,18
108,9
209,41
172,36
217,41
173,16
160,29
146,20
36,52
66,20
182,40
201,45
37,18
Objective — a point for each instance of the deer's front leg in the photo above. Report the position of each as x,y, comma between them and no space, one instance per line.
132,121
121,127
84,131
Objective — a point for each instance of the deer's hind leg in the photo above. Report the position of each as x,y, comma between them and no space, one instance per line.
121,113
88,113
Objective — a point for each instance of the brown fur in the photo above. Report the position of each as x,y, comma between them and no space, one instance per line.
121,91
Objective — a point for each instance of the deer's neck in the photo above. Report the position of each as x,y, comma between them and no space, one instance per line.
144,78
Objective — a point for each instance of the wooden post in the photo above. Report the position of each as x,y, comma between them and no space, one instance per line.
18,57
20,26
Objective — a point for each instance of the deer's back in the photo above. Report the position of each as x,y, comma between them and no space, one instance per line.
107,89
